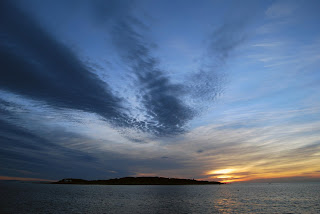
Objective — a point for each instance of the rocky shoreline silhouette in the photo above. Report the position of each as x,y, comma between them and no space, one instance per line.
137,181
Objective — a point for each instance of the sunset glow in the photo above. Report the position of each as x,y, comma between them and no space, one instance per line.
221,171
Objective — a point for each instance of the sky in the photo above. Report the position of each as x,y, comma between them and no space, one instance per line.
210,90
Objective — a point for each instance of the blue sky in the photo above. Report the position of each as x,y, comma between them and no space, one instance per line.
218,90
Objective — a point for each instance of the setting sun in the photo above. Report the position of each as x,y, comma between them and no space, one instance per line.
221,171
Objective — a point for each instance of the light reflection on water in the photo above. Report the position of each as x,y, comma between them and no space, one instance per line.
235,198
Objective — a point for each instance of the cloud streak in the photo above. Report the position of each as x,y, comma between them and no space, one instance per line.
35,65
165,110
38,66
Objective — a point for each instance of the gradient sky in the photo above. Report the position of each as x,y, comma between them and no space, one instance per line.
214,90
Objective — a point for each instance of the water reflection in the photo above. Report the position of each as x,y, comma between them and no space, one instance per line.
227,202
234,198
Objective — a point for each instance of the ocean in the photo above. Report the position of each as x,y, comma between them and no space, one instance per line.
17,197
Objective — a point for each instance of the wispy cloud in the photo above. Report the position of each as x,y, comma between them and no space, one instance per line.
35,65
281,9
39,67
165,111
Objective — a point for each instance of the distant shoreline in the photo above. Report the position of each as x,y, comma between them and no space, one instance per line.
138,181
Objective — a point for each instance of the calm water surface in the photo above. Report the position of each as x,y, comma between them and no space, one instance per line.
236,198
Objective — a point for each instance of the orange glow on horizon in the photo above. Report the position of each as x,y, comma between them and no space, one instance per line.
224,176
253,173
230,178
221,171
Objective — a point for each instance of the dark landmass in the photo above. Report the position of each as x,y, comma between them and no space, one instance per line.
137,181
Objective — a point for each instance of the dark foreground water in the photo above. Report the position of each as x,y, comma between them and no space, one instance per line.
236,198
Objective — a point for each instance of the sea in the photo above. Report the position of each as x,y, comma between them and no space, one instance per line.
18,197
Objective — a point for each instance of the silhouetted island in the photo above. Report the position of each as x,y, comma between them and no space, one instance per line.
137,181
